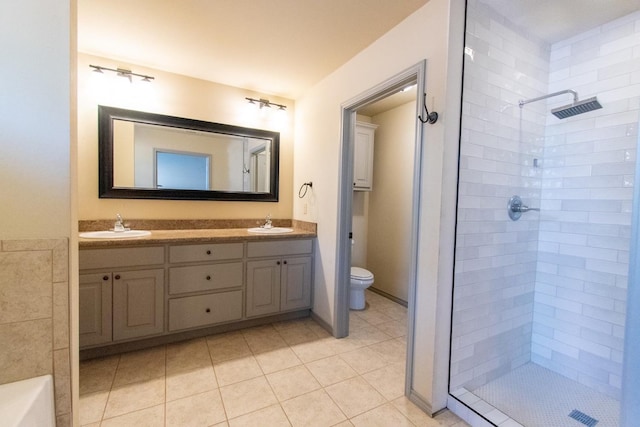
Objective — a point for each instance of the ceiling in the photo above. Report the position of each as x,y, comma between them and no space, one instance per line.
282,47
278,47
555,20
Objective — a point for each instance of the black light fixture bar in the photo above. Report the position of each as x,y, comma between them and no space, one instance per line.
122,72
266,103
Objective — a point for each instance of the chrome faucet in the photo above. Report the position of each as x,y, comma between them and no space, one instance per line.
119,225
267,222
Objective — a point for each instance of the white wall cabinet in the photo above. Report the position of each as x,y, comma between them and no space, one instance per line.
363,156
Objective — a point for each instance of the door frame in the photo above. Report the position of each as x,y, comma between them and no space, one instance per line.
415,74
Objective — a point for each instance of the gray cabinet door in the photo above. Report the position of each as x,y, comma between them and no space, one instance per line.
138,303
296,283
95,309
263,287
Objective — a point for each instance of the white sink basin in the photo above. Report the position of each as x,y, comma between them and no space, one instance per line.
110,234
272,230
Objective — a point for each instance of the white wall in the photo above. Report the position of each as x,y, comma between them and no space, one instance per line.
423,35
37,197
390,202
182,96
35,120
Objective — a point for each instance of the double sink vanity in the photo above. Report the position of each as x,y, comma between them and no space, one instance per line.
189,278
150,282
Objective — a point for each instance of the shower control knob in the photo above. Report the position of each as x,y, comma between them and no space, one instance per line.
515,208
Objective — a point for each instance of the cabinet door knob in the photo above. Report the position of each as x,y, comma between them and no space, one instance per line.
208,310
208,277
105,277
277,262
117,277
285,261
208,252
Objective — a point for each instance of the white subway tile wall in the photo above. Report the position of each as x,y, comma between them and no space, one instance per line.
582,269
496,257
551,287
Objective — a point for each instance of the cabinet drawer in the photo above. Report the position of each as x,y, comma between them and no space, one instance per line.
121,257
206,252
205,277
203,310
278,248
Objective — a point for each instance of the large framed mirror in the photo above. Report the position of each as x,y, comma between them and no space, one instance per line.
152,156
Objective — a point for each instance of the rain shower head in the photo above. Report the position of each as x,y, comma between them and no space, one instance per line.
577,107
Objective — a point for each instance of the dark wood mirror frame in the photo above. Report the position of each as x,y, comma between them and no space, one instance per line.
106,116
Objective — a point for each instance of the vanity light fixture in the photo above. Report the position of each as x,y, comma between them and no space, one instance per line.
263,102
122,72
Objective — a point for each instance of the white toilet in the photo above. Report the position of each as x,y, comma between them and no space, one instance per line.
361,279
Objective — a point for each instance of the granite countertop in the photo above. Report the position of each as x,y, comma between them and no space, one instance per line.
301,230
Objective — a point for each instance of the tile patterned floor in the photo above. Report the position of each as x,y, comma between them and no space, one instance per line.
283,374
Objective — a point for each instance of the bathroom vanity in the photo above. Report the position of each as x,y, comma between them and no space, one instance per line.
183,283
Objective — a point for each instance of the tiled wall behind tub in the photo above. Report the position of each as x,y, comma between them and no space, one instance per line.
588,173
496,257
34,316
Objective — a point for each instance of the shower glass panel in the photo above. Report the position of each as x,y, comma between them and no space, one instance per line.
540,296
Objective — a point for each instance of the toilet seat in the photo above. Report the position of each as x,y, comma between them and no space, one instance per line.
361,273
361,279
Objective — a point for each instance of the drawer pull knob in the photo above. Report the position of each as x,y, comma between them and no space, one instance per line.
105,277
208,277
117,277
208,252
208,310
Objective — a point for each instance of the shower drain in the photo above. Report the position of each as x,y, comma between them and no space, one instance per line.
583,418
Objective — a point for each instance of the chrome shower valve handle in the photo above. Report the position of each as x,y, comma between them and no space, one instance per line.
515,208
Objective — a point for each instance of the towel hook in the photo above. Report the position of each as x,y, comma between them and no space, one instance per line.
431,117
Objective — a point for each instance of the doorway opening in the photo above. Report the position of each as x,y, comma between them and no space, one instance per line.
414,76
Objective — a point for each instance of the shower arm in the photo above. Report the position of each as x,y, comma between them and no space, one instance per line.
522,102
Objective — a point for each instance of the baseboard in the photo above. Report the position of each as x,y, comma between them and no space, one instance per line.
389,296
327,327
421,403
140,344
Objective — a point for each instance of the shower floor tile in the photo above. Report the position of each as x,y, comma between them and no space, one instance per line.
537,397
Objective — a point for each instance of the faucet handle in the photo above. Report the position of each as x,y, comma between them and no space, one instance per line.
267,221
119,224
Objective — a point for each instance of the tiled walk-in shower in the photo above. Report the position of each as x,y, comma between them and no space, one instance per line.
544,296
